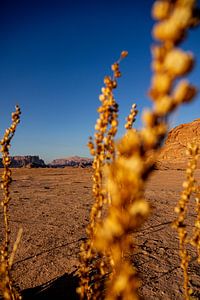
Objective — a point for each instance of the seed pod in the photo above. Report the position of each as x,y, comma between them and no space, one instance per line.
161,82
178,62
124,54
184,92
161,10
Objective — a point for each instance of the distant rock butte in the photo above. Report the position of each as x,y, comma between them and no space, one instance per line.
171,156
30,161
34,161
173,153
73,161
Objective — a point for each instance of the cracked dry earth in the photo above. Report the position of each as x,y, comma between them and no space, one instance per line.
52,206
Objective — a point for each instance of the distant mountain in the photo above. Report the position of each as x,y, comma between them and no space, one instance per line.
34,161
31,161
72,161
172,154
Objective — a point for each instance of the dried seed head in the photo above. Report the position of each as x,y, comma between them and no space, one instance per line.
161,9
184,92
124,54
115,67
178,62
162,83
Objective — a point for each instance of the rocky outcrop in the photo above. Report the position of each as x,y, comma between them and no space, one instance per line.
34,161
173,153
72,161
31,161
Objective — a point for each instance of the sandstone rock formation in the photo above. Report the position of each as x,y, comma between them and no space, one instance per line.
73,161
173,153
32,161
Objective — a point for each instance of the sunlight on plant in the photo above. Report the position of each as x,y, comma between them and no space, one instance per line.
127,172
103,150
189,187
6,258
121,169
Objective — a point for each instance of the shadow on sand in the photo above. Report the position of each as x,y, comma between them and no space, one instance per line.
62,288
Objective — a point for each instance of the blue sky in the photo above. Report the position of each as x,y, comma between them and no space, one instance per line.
53,57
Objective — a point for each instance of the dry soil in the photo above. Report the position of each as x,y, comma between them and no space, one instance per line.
52,206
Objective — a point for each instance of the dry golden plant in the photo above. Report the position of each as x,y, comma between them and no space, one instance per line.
189,187
103,150
6,258
195,241
131,117
129,170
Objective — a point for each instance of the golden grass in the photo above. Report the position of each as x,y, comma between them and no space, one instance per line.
6,258
122,168
189,187
128,170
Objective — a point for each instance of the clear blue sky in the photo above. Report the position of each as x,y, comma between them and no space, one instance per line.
53,57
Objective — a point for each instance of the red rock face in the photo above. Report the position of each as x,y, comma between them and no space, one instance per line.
25,161
34,161
71,161
174,149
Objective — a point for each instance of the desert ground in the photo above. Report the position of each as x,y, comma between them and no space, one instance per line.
52,206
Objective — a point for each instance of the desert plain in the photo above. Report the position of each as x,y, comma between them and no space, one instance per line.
52,205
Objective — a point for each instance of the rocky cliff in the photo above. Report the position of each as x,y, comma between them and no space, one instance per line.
32,161
173,151
73,161
172,155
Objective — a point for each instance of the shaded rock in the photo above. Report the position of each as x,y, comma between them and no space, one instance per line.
25,161
72,161
173,154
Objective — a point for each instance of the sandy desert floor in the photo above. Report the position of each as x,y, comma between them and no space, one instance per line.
52,206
